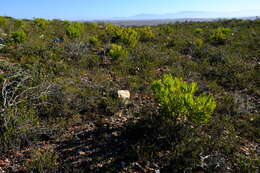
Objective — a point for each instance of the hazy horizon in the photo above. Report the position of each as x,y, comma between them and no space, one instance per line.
116,9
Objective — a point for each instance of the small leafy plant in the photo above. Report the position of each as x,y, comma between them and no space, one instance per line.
43,160
94,41
220,35
3,20
146,33
41,23
73,30
127,36
19,36
117,52
199,30
178,101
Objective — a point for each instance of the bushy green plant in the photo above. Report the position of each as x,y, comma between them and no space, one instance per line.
220,35
94,40
3,20
127,36
146,33
43,161
117,52
198,30
178,100
73,30
41,23
19,36
17,126
18,23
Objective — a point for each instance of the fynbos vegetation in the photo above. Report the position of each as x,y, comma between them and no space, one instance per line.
85,97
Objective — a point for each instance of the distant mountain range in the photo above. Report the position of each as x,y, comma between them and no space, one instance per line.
193,14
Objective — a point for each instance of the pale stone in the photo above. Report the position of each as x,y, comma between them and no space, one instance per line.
123,94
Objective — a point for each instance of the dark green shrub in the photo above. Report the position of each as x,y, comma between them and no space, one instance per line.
178,101
220,35
19,36
73,30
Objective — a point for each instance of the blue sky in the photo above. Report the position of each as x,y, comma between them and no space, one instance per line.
105,9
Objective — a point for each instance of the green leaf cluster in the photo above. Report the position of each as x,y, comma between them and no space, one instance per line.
178,100
127,36
19,36
146,33
3,20
220,35
73,30
117,52
94,41
41,23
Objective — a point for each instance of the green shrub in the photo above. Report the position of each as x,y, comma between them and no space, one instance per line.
146,33
220,35
198,30
73,30
18,23
19,36
3,20
41,23
94,41
178,101
16,126
117,52
127,36
43,160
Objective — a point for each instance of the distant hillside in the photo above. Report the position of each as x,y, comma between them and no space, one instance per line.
153,22
192,14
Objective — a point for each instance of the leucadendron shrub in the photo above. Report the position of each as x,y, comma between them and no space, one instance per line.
220,35
128,36
146,33
178,101
73,30
41,23
18,36
117,52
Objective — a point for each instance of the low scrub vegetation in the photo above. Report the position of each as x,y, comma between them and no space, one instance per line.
192,102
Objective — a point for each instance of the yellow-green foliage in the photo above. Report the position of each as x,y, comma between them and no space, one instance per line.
18,23
220,35
19,36
178,101
41,23
117,52
73,30
3,20
146,33
94,40
199,30
128,36
198,42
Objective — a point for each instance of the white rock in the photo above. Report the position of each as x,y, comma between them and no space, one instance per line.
2,46
123,94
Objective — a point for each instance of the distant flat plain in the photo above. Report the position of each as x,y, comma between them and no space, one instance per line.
152,22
